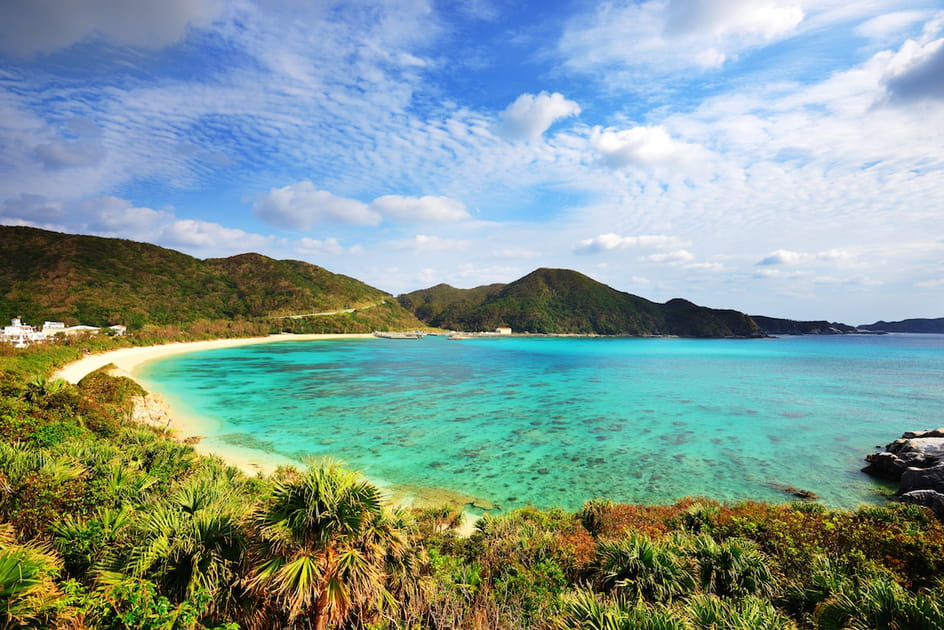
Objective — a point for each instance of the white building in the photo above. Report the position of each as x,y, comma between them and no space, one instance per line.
503,330
52,328
118,329
80,330
20,334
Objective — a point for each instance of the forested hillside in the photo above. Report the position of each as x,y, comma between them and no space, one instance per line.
102,281
564,301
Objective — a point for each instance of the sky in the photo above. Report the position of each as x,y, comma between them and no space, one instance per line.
779,157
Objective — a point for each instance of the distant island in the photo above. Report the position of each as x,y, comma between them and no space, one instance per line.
921,325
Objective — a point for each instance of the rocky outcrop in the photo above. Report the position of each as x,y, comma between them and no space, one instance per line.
914,449
916,462
151,410
926,498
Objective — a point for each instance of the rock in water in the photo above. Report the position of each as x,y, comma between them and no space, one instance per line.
915,449
916,461
922,479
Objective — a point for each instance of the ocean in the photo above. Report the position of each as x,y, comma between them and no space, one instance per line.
553,422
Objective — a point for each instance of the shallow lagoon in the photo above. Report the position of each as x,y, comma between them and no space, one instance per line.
556,421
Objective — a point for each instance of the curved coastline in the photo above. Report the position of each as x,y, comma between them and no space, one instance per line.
183,423
251,461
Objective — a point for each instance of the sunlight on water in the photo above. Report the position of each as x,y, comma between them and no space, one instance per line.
556,421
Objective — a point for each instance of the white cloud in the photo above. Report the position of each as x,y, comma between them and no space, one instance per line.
330,246
104,216
419,209
610,241
38,26
530,116
514,252
300,206
28,209
916,73
669,258
659,36
783,257
787,257
889,24
204,235
81,148
114,216
430,243
712,267
646,147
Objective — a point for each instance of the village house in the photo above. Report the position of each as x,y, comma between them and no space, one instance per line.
503,330
20,334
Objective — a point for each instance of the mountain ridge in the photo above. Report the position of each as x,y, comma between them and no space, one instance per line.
564,301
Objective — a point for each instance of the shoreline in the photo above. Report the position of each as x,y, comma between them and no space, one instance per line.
183,423
129,359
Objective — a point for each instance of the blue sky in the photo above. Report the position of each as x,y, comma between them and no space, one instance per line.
780,157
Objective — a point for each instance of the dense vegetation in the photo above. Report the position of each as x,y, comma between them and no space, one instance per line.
564,301
103,281
107,524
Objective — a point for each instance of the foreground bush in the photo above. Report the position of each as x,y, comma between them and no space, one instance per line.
108,525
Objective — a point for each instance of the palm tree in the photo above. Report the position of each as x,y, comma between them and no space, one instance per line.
643,568
584,610
709,612
881,604
732,568
28,592
321,546
192,544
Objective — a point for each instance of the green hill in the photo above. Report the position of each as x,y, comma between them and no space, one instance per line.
564,301
443,306
101,281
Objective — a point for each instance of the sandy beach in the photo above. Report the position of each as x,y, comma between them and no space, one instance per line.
183,423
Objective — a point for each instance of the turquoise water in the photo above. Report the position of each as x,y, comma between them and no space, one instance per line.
556,421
